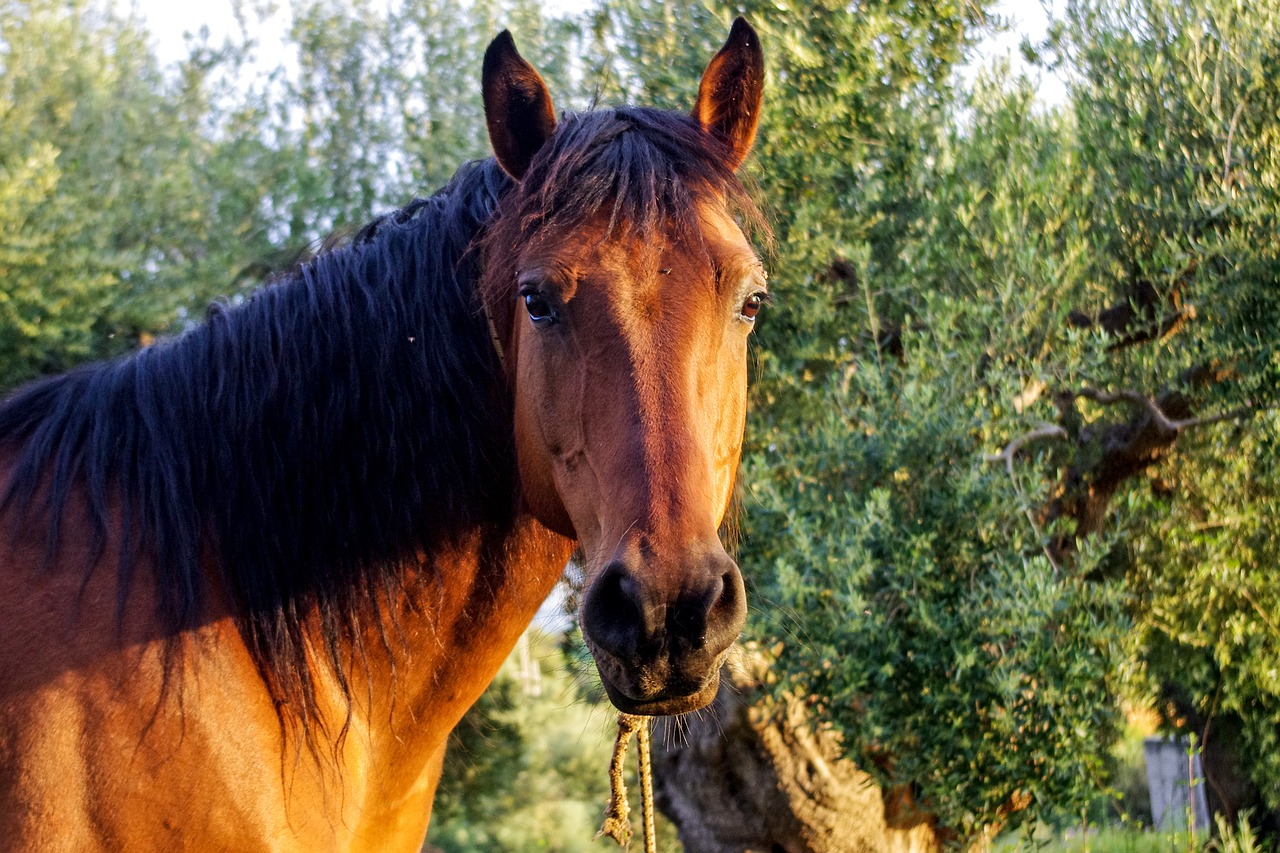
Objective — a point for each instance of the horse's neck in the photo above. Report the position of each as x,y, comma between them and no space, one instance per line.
469,609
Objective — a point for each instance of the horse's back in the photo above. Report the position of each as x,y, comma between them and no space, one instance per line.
114,736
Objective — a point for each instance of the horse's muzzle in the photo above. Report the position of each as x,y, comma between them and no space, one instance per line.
659,645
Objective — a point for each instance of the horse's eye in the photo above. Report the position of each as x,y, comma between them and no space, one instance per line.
540,310
751,307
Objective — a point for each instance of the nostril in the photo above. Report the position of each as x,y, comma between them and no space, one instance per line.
727,615
614,614
732,597
687,620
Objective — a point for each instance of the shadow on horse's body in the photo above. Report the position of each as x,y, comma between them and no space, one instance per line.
251,578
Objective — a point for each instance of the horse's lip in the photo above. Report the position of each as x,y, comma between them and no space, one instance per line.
664,705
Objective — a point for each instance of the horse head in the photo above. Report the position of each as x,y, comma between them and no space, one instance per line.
623,291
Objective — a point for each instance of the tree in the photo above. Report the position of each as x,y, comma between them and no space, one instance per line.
136,196
86,178
1179,106
994,339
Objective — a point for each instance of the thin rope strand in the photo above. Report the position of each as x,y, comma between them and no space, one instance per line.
646,784
617,817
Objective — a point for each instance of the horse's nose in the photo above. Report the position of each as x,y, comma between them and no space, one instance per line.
628,612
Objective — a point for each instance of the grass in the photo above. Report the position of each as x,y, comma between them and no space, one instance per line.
1135,839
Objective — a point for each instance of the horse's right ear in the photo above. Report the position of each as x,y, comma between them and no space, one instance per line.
731,92
517,106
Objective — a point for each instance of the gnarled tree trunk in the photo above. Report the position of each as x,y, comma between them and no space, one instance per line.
753,775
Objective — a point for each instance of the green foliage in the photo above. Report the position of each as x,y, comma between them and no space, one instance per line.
1207,591
924,275
133,195
1239,838
386,104
1087,839
1177,107
528,770
920,609
1180,115
95,175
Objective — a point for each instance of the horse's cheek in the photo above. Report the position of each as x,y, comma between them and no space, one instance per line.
535,462
730,419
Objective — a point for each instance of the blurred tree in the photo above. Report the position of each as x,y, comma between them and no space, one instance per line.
385,104
138,194
98,183
1179,118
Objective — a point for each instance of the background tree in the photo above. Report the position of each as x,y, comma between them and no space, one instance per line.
999,325
101,184
136,196
1179,114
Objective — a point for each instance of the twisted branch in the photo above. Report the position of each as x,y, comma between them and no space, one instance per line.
1165,426
1127,449
1040,433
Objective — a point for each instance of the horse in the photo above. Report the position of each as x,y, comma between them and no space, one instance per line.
251,576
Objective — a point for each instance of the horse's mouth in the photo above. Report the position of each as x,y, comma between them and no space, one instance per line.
664,704
656,688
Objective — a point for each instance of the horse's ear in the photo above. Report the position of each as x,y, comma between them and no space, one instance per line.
731,91
517,106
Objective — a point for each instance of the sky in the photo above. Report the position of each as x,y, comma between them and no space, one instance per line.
168,20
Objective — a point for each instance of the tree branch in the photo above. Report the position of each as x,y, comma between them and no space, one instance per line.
1162,423
1124,450
1234,414
1165,425
1040,433
1043,432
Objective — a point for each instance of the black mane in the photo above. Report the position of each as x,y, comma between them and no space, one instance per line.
346,420
646,167
312,439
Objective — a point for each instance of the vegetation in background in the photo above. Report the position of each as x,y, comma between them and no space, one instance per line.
1013,448
527,770
134,195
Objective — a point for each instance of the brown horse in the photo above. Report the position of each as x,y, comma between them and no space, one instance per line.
251,577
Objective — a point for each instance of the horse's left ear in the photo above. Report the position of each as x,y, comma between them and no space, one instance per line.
517,106
731,92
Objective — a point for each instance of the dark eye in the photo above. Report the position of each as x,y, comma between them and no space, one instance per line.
751,307
540,310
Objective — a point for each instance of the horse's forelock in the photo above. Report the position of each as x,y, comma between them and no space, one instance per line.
644,168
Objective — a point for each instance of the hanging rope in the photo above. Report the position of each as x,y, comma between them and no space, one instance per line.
646,787
617,818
